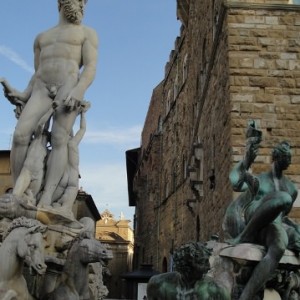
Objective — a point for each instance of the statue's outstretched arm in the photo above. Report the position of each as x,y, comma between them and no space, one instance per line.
13,95
239,176
80,133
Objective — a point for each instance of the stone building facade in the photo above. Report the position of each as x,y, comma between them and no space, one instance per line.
5,172
118,236
233,61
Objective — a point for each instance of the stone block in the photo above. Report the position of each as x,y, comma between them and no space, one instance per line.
263,81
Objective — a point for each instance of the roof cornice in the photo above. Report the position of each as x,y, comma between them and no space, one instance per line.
267,6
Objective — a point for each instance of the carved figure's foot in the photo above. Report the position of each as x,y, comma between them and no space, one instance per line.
28,201
28,205
56,205
45,202
45,206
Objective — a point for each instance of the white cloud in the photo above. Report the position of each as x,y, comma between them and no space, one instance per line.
114,136
107,184
105,181
15,58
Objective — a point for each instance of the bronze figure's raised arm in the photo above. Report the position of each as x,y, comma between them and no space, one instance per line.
256,216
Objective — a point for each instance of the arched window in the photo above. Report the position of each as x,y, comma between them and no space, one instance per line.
165,265
174,176
215,19
204,61
176,86
184,167
166,185
160,124
168,102
185,68
203,65
198,229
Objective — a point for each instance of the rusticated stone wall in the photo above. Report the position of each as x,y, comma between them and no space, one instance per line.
233,61
264,62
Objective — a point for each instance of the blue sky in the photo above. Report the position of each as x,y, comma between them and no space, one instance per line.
136,37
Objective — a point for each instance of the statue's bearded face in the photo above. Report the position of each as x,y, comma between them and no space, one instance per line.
73,10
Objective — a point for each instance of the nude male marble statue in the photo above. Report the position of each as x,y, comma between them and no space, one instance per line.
65,58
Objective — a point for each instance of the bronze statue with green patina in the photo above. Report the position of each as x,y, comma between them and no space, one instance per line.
189,280
265,202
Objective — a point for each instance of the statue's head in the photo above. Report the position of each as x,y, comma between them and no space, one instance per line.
192,260
281,155
73,9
